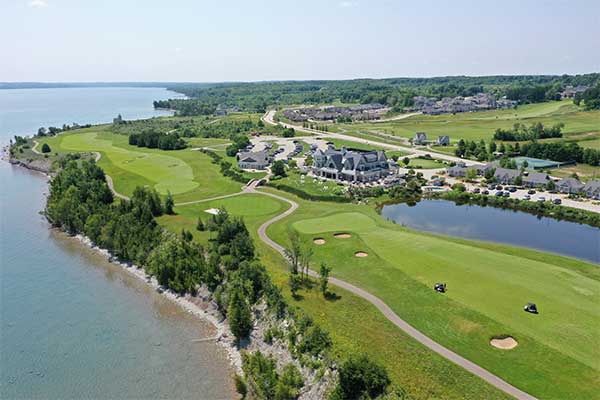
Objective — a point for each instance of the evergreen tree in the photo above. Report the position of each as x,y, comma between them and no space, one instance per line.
239,315
169,204
200,225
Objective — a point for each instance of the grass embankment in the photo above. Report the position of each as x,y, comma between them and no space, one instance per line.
488,286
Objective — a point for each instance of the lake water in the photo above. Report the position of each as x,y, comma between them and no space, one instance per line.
73,325
498,225
23,111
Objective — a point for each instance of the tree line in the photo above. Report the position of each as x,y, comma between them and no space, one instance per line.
154,139
396,93
520,132
590,98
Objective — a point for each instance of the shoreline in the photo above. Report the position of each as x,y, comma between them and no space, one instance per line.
200,306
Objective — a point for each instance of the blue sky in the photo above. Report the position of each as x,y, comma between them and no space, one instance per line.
196,40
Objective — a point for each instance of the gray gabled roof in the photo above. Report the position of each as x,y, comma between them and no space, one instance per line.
536,178
505,172
571,183
593,185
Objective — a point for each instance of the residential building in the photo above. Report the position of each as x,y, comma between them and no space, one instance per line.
253,159
506,176
535,179
592,189
569,185
420,138
443,141
350,164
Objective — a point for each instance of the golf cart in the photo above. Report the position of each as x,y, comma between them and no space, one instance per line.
440,287
531,308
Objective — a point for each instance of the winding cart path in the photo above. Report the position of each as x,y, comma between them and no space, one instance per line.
386,310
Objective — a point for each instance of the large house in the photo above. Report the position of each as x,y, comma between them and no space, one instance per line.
350,164
569,185
420,138
253,159
535,179
592,189
443,140
505,175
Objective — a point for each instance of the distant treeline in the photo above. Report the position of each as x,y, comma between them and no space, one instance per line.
520,132
396,93
53,130
561,151
186,108
157,140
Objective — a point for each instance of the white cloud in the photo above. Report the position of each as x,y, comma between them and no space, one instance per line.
178,49
348,4
38,3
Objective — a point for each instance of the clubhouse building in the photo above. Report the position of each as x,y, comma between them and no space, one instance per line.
352,165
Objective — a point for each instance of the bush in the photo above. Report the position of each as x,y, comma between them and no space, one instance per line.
46,148
360,378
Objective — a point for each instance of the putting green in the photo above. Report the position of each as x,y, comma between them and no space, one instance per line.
165,172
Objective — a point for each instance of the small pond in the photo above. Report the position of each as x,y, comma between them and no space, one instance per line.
499,225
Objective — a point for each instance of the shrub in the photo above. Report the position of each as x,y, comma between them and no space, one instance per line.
46,148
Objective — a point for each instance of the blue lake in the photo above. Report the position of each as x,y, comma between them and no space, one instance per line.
73,325
498,225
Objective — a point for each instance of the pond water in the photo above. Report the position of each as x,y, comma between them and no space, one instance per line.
499,225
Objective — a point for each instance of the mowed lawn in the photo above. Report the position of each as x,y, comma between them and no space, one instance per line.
483,124
187,174
488,285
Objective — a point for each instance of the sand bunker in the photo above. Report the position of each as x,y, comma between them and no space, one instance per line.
319,241
342,235
213,211
360,254
504,343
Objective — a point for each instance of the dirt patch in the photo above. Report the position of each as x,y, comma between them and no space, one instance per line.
361,254
319,241
504,342
342,236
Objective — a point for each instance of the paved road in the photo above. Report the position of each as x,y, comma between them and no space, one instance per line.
268,118
387,311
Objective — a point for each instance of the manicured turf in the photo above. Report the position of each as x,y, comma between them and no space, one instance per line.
488,286
425,164
188,175
481,125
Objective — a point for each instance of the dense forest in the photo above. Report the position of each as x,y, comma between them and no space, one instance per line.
394,92
80,202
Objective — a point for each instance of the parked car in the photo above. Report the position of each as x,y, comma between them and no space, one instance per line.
512,189
527,197
506,194
531,191
557,201
492,186
499,193
476,190
499,187
541,199
486,192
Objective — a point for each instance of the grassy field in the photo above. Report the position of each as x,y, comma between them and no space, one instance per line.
188,175
425,163
488,286
481,125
